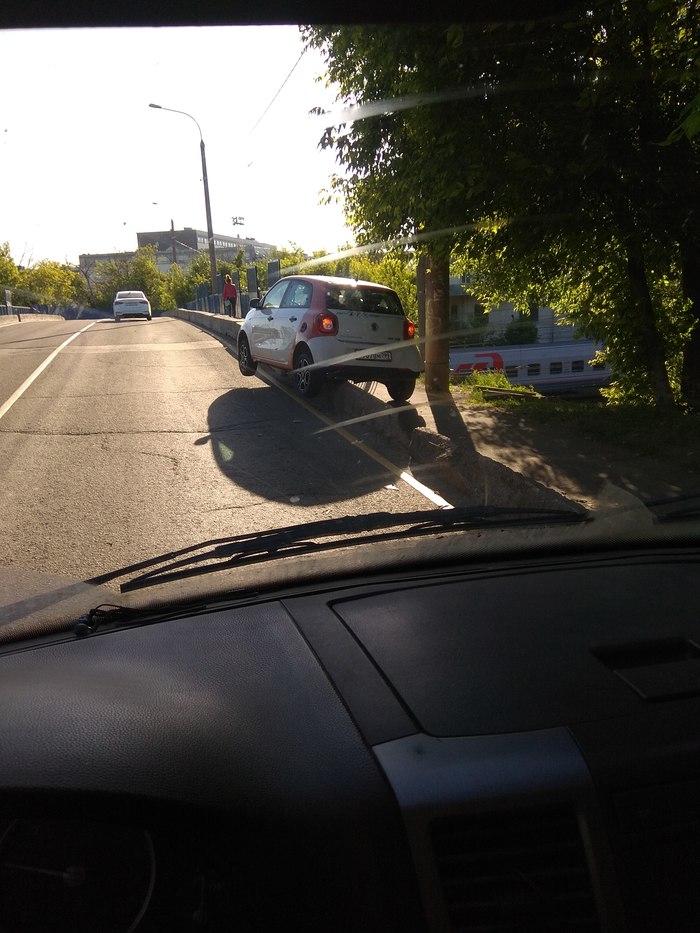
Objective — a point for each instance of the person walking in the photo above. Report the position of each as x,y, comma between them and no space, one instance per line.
230,296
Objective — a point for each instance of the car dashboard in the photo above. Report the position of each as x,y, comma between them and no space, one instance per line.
496,746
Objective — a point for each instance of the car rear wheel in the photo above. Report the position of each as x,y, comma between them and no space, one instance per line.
308,381
246,363
401,388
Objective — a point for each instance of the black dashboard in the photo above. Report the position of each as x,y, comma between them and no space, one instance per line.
492,747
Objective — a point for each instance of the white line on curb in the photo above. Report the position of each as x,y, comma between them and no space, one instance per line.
365,448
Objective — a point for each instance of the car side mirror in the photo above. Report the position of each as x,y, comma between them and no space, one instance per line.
255,303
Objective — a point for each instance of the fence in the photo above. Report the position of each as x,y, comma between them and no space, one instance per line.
203,301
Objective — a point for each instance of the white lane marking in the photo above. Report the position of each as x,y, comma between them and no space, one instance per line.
150,347
356,442
39,370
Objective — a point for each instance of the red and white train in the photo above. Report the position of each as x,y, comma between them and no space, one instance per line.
551,369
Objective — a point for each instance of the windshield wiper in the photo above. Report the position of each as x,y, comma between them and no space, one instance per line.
675,508
239,550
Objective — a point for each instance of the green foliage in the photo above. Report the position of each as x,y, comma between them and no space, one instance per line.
9,273
53,283
184,283
524,331
488,379
138,274
562,159
46,282
493,378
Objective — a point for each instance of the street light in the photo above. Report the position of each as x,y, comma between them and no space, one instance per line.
210,230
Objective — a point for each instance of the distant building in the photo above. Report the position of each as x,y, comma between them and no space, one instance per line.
180,247
472,323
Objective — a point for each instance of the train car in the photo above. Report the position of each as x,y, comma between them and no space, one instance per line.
551,369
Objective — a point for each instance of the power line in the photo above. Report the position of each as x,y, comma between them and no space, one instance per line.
259,120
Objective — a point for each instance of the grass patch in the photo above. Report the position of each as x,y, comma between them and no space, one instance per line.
487,379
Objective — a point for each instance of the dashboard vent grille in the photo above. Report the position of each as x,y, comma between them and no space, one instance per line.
514,872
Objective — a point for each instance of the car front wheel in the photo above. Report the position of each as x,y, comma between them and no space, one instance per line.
246,363
401,388
307,381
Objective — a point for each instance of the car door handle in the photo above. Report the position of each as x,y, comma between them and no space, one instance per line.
270,318
292,319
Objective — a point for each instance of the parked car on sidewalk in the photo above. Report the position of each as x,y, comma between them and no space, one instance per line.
131,304
324,327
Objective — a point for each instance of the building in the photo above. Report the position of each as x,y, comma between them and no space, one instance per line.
471,324
179,247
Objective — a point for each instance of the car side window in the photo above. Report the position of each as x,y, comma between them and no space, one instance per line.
299,295
275,296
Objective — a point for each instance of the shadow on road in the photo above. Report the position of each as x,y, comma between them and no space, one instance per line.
266,443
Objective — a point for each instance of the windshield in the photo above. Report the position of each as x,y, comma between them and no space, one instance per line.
361,298
515,202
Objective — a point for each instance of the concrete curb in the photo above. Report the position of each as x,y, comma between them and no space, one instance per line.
28,318
435,459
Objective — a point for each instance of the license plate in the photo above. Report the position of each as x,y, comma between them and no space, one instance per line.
384,357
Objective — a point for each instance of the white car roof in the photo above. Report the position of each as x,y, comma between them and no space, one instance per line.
130,295
337,280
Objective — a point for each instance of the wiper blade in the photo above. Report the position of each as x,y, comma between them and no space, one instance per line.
254,547
675,508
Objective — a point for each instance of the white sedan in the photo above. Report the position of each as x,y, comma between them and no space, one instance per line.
131,304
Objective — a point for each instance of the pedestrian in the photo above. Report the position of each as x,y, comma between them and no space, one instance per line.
230,296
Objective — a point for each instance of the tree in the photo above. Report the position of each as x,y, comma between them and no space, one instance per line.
137,274
9,273
540,147
52,283
398,162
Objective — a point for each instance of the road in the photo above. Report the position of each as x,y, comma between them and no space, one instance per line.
143,437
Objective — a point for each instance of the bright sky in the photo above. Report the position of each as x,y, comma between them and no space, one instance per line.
85,163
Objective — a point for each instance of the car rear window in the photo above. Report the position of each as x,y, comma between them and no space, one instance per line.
359,298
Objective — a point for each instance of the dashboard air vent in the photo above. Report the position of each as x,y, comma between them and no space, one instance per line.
514,872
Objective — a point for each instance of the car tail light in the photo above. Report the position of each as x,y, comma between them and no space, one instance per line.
325,325
409,330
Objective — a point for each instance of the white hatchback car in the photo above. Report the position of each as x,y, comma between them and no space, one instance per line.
131,304
323,327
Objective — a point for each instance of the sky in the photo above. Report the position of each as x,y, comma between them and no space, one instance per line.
85,163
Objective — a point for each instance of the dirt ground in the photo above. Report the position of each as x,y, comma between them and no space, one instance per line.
578,466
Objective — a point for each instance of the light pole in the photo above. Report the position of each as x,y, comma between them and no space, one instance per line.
210,230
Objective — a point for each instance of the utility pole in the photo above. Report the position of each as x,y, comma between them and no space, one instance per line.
207,206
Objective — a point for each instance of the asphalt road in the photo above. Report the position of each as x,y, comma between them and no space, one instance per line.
143,437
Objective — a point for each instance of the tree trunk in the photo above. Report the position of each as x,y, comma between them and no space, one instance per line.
420,289
650,341
690,274
437,347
